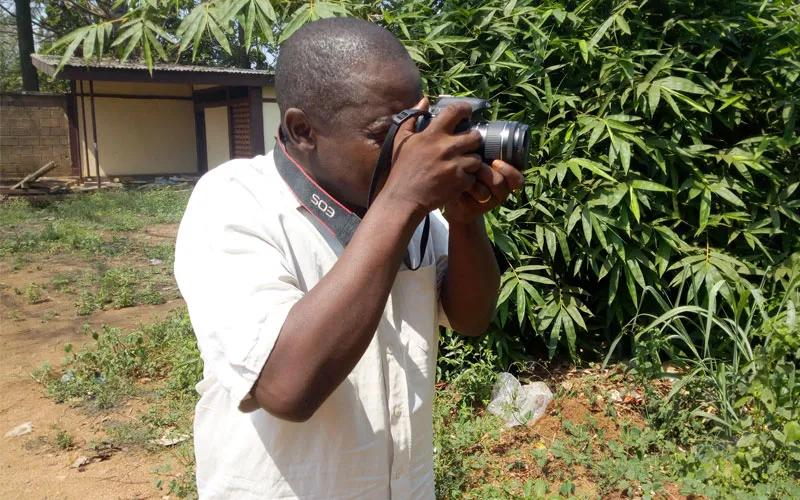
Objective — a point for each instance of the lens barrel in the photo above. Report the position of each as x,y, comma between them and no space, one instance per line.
506,141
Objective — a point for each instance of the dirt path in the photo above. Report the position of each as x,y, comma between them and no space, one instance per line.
31,465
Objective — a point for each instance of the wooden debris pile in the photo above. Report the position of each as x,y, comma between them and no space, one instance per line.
36,184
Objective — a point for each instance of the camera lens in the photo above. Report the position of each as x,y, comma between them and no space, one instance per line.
507,141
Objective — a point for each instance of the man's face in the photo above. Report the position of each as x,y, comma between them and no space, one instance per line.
348,150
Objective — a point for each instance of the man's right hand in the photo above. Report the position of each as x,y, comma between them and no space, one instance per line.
435,166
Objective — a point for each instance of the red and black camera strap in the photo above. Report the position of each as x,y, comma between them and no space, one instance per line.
335,217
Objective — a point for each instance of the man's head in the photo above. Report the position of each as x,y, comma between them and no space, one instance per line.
338,82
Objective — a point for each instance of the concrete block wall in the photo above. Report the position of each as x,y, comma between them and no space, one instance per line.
34,130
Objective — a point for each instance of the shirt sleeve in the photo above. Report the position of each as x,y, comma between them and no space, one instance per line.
440,231
237,283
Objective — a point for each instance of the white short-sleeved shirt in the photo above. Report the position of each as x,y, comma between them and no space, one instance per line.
246,252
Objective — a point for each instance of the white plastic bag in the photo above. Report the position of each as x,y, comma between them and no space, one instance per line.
519,404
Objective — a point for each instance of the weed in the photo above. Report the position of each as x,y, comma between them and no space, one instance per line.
48,316
130,433
64,440
33,293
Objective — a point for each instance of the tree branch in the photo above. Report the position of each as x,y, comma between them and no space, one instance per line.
34,21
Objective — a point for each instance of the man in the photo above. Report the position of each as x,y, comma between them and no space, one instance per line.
320,360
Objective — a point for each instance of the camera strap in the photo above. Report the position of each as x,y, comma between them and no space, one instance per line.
335,217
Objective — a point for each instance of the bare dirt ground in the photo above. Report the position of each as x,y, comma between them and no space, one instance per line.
32,465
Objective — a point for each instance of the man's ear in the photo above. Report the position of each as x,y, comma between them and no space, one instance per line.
298,128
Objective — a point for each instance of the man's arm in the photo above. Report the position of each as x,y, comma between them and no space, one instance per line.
327,331
469,291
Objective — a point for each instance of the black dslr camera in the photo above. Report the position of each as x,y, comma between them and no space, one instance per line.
507,141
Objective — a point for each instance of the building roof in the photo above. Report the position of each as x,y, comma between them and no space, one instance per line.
112,70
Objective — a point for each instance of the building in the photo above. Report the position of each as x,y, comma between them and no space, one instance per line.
124,121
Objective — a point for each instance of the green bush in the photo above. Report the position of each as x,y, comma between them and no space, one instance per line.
736,402
664,150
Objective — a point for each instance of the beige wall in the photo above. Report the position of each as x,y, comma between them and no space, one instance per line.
268,92
139,136
136,88
217,142
272,118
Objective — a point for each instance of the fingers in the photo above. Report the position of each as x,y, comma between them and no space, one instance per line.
513,177
463,143
447,120
495,182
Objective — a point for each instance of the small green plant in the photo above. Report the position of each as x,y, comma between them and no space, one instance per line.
87,304
64,439
48,316
33,293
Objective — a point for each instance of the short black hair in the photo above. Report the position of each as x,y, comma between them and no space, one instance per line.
316,64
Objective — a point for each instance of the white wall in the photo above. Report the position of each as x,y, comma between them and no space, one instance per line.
272,118
218,149
138,136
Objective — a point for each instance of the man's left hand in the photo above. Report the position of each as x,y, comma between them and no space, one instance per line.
493,185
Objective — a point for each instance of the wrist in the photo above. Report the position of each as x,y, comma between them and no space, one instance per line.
470,227
399,208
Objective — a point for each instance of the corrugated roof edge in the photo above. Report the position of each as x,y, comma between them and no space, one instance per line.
113,70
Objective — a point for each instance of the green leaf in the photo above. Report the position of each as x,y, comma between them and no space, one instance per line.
535,278
592,166
509,7
219,35
75,40
705,209
148,55
574,217
767,397
562,243
629,281
132,42
576,316
521,304
88,44
301,17
653,97
505,293
746,441
633,203
792,431
550,237
587,226
155,43
625,155
622,24
569,328
601,31
250,20
729,196
265,6
649,186
613,283
498,51
681,85
584,50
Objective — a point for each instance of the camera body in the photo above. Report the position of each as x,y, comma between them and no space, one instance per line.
508,141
